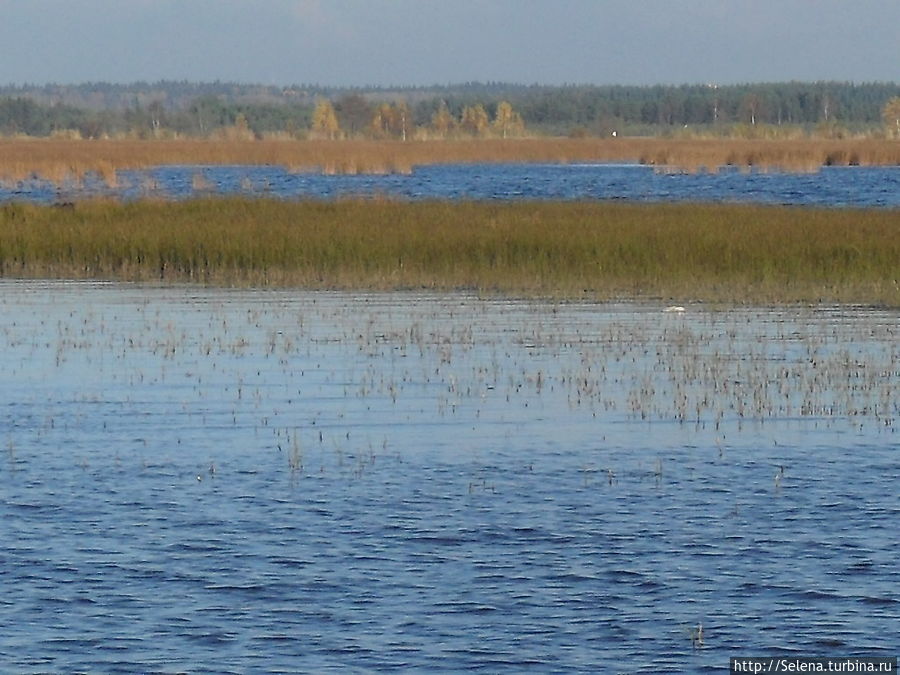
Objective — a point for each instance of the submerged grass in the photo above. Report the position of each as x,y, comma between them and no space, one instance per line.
60,160
704,252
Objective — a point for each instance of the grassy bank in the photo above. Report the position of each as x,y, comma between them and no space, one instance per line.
59,160
680,252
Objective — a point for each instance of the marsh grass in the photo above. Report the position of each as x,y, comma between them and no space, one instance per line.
59,160
558,249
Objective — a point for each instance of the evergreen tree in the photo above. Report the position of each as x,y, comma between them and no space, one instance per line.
354,113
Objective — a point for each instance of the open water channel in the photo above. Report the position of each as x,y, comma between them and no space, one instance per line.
832,186
199,480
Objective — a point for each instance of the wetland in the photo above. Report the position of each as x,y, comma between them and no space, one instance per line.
243,479
259,420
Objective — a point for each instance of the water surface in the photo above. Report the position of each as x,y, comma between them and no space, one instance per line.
831,187
234,481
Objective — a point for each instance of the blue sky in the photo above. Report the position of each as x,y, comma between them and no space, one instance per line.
421,42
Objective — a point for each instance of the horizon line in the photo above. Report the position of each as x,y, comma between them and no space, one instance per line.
448,85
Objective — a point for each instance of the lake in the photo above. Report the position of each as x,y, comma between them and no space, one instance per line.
247,480
831,187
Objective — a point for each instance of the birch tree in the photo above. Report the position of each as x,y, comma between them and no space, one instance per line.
507,122
442,121
324,120
392,121
891,116
474,120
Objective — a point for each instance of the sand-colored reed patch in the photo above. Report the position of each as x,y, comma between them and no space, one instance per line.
57,159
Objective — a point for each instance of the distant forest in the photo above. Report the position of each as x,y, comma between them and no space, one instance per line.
177,109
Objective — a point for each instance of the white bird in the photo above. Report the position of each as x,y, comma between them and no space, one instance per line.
675,308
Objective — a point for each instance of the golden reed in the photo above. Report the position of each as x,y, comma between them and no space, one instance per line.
59,160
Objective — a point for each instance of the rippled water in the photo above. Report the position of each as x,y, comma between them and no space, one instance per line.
832,186
236,481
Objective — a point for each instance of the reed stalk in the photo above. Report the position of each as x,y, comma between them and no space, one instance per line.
688,252
59,159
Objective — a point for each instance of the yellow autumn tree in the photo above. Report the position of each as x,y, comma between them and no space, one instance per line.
474,120
324,120
242,128
442,121
381,120
507,122
392,121
239,131
891,116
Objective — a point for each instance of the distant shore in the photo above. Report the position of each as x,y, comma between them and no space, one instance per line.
566,250
61,160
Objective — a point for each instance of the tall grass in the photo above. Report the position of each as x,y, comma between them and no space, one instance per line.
600,250
59,160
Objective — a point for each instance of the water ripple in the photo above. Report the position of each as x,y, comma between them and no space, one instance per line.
873,187
305,526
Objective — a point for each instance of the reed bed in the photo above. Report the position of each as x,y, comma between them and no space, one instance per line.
61,160
732,253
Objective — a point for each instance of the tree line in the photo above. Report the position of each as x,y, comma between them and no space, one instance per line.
474,109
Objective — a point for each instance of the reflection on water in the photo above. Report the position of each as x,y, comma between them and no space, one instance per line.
832,186
233,481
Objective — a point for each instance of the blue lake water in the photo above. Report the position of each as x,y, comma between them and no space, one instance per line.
832,186
199,480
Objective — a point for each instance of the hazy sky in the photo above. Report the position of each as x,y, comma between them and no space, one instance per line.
416,42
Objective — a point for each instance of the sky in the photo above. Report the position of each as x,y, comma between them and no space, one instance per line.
426,42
